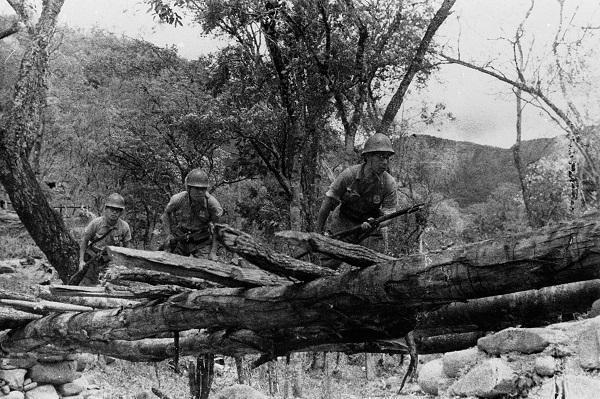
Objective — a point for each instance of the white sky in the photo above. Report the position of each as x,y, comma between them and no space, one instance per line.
484,108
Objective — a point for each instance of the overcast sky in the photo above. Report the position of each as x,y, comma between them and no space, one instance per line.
484,108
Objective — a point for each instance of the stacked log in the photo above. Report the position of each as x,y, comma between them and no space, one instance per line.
280,305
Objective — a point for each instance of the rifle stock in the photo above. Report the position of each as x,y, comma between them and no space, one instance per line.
377,222
188,237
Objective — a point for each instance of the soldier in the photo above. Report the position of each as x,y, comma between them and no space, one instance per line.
188,216
362,193
108,229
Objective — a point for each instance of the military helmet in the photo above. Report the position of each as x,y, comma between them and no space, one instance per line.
197,178
115,201
378,142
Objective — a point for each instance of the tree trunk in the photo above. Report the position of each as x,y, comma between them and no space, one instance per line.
18,128
381,302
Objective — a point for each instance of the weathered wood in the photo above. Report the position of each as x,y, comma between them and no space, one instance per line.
267,259
13,318
117,274
379,302
96,302
43,307
223,274
352,254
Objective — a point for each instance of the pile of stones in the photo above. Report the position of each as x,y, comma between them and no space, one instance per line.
558,361
35,379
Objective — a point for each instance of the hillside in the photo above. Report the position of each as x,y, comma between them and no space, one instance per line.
464,171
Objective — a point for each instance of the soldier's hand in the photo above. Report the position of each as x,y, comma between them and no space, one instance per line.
365,226
81,264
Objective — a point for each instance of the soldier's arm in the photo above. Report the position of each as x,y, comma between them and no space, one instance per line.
83,245
329,204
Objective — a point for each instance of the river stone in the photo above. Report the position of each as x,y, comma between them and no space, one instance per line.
431,378
240,392
14,395
490,379
14,377
42,392
21,363
54,373
456,361
545,366
522,340
70,388
588,346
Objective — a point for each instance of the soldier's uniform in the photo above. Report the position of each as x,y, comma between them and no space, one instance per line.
102,234
187,217
361,198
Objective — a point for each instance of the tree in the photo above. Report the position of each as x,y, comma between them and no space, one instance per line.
314,61
566,73
18,128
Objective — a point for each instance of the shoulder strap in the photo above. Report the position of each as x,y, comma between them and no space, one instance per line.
92,242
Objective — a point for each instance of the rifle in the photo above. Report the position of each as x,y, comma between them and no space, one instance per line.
190,236
94,258
376,223
92,255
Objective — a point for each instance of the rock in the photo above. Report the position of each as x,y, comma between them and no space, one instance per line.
84,360
54,373
11,364
70,388
545,366
595,310
42,392
7,269
432,378
14,395
588,346
240,392
454,362
523,340
489,379
14,378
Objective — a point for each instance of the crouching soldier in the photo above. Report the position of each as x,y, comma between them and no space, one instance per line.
188,217
360,194
108,229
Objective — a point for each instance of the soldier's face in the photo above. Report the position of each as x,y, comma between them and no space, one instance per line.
378,161
112,214
197,193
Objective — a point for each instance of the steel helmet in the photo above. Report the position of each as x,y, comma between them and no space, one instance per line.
197,178
115,201
378,142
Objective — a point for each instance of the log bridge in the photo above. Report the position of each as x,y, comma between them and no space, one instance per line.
273,304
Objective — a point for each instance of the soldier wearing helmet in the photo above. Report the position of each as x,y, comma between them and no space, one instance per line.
188,216
361,193
108,229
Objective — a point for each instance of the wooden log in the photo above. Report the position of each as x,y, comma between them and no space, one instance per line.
352,254
96,302
13,318
267,259
43,307
117,274
379,302
223,274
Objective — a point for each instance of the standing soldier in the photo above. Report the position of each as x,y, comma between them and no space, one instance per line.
188,216
108,229
362,193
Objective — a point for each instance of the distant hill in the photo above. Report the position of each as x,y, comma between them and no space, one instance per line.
464,171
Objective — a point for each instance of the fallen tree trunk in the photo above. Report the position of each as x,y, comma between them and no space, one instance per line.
352,254
283,265
223,274
379,302
452,327
119,274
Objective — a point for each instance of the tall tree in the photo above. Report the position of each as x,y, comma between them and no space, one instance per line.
18,128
